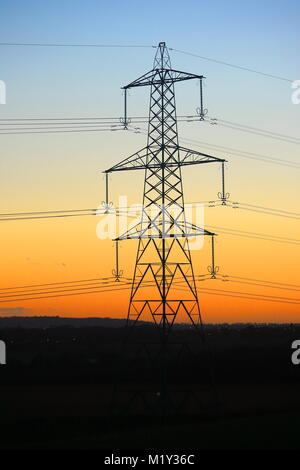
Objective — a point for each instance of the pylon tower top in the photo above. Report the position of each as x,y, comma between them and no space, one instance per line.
162,58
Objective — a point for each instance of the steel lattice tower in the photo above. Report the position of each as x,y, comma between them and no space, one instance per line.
163,255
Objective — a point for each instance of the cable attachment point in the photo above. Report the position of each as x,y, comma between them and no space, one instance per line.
117,273
223,196
125,120
201,113
107,206
213,269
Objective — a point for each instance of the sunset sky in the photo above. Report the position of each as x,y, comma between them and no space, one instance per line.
64,170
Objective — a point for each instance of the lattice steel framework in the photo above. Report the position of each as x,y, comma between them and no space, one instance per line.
163,255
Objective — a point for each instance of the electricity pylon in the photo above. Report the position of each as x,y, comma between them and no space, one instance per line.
163,255
163,286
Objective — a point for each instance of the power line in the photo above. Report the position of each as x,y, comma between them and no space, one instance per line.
253,208
256,131
45,44
96,45
105,284
60,131
53,214
62,291
259,129
55,283
65,295
85,291
261,236
275,283
240,205
270,209
67,286
252,283
63,126
266,212
231,204
11,219
239,127
240,153
278,212
244,153
111,123
247,296
67,125
256,295
57,290
13,214
228,64
249,129
83,118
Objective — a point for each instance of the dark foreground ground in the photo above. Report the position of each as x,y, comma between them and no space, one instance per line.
56,390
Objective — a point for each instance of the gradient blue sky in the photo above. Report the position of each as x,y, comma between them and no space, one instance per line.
60,82
262,35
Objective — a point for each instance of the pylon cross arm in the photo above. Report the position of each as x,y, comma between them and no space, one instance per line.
137,161
151,231
190,157
146,159
159,76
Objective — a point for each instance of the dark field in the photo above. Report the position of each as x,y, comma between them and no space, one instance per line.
57,388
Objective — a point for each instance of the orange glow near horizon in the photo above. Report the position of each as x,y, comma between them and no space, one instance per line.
54,251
